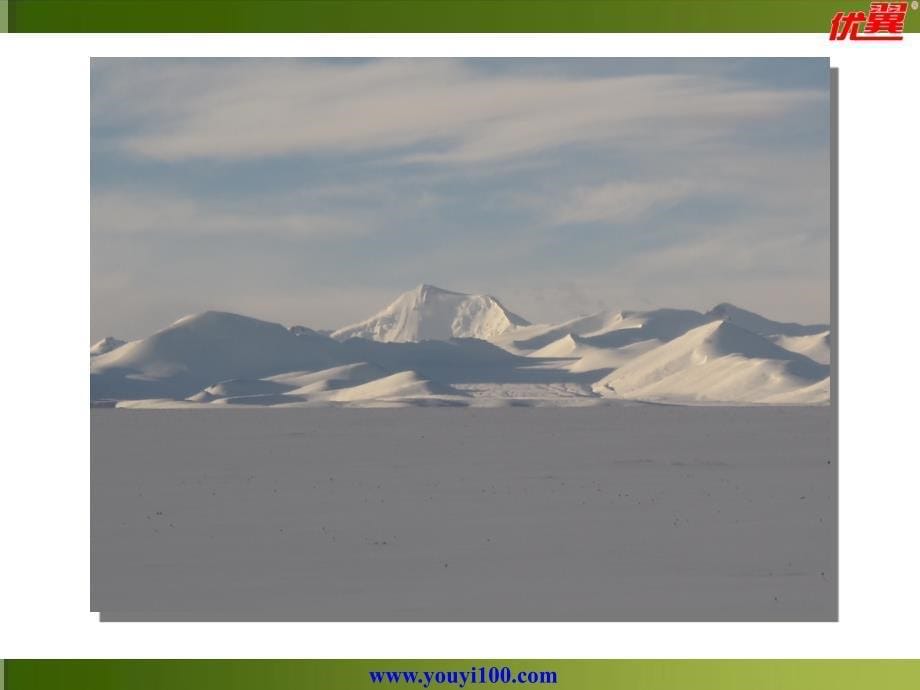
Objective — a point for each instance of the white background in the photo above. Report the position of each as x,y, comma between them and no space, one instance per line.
45,274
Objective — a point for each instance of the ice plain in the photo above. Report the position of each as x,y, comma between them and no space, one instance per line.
629,511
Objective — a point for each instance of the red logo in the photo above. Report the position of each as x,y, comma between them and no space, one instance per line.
885,22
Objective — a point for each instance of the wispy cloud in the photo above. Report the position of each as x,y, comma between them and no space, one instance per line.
621,202
137,213
435,110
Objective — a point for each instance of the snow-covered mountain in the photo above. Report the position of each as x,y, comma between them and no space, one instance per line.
620,327
756,323
816,347
107,344
435,347
203,349
430,313
716,362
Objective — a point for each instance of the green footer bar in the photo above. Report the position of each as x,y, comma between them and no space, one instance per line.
333,674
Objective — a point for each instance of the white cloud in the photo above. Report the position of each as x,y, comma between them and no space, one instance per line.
621,202
789,188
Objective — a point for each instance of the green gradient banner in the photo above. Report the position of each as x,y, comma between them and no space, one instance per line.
355,674
297,16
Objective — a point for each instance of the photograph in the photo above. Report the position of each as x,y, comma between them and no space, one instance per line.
463,339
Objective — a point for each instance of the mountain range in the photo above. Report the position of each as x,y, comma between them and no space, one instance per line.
436,347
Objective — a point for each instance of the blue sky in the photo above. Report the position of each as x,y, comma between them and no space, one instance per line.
315,191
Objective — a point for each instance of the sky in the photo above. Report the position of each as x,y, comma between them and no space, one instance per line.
315,191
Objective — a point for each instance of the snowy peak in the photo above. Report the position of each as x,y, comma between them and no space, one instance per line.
761,325
431,313
107,344
816,347
426,291
721,338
